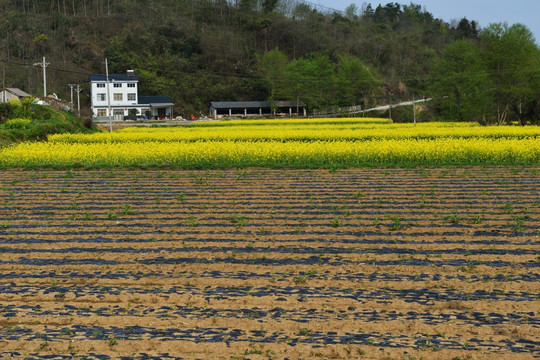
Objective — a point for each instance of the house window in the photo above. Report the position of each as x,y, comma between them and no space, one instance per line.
117,85
100,97
101,85
102,112
118,97
132,97
131,85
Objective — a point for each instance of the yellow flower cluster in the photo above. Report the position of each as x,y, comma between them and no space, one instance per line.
309,143
308,131
17,123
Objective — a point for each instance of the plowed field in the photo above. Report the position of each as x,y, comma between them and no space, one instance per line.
258,263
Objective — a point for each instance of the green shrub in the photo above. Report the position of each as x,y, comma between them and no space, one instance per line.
18,123
26,121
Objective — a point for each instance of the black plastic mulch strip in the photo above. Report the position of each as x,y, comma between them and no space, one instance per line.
339,238
420,296
277,313
312,260
306,336
278,276
90,356
258,205
279,250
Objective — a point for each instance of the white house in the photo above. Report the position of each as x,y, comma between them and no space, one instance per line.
124,98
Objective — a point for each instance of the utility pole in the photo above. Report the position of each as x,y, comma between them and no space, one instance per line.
78,89
72,86
108,95
44,65
4,83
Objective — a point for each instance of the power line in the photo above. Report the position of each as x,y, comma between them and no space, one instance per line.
322,6
50,68
312,80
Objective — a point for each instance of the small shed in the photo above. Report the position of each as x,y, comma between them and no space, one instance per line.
12,93
156,106
256,108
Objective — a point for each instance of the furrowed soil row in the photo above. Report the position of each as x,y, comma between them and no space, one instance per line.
259,263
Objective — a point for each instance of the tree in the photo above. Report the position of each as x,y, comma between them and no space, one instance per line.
354,81
269,5
273,66
42,44
301,11
511,58
460,83
466,29
351,11
247,5
390,13
312,80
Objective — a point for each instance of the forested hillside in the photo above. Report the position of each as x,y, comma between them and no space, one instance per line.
197,51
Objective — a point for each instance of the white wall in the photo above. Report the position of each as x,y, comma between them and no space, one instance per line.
123,89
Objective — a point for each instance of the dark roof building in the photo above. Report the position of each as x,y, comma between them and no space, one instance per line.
158,106
254,108
149,100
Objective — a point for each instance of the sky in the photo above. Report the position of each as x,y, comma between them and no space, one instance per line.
485,12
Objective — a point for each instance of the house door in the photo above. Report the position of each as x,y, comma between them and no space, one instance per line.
118,115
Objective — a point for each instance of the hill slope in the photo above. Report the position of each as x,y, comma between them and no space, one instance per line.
27,121
197,51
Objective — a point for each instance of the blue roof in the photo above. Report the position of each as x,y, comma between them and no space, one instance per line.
113,77
154,100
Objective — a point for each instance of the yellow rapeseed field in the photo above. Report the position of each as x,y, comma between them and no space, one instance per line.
307,132
305,143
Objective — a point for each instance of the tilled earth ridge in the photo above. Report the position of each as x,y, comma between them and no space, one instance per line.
259,263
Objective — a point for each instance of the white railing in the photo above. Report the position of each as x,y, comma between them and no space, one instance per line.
356,109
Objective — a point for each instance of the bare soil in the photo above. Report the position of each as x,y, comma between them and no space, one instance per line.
270,264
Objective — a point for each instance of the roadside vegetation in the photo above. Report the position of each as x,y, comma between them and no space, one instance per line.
26,121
